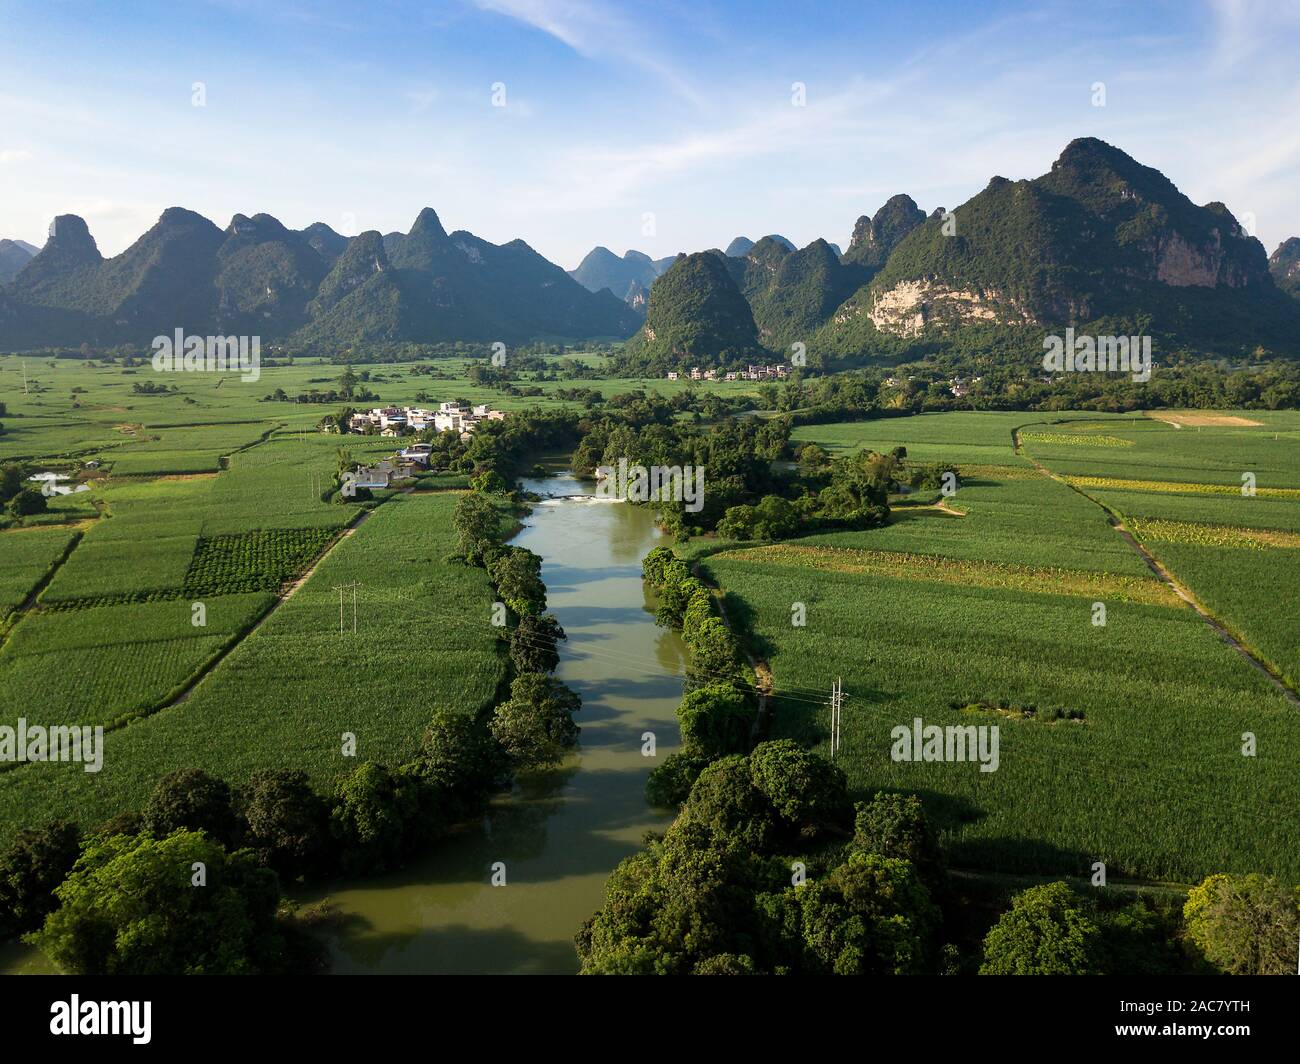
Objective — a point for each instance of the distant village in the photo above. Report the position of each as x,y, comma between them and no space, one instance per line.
958,386
456,416
750,373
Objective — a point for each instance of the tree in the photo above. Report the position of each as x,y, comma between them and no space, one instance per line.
490,482
517,575
370,815
870,916
30,869
676,590
533,643
716,720
1049,930
535,726
1244,925
714,654
668,785
808,793
652,566
130,907
27,502
895,825
478,526
725,802
286,822
775,518
675,905
11,482
192,800
737,523
460,762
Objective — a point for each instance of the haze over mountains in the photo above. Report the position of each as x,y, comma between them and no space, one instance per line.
258,277
1099,241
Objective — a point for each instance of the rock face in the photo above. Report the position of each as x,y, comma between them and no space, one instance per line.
1099,238
909,306
1284,265
876,236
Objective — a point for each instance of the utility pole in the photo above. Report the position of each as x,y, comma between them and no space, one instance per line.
340,588
24,376
837,705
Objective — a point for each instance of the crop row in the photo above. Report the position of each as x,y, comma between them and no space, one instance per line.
253,561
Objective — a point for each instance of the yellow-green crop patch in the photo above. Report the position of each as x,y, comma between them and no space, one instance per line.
1154,530
1076,439
936,568
1177,487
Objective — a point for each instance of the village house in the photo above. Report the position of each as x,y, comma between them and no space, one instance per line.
455,416
751,373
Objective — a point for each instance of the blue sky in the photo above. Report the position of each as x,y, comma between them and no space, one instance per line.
359,114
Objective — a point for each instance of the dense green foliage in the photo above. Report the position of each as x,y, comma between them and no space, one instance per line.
696,314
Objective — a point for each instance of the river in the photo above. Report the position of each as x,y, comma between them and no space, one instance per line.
559,833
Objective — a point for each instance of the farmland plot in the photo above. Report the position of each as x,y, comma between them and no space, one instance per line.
1179,491
285,696
1120,743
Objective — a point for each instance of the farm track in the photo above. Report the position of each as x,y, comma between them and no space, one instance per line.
1164,575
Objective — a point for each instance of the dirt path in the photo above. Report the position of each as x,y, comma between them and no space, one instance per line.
1161,573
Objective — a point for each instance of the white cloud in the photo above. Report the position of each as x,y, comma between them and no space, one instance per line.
595,31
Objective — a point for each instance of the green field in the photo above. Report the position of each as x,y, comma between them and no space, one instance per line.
210,416
1119,743
210,496
287,693
26,556
1244,580
1150,778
